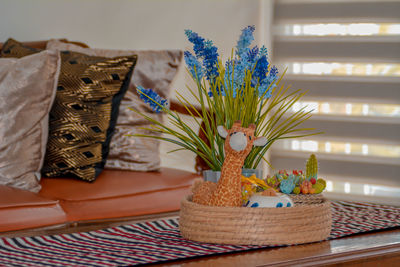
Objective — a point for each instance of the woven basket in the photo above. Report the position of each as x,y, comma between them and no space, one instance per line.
255,226
307,199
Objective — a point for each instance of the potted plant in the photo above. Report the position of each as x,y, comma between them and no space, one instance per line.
246,87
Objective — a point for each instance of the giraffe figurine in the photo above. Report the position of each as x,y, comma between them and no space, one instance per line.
227,192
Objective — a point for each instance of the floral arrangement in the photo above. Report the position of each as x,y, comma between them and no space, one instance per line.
246,88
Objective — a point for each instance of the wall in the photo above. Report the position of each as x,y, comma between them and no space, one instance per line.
128,24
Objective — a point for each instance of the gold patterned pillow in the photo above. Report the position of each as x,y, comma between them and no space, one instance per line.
15,49
84,113
154,69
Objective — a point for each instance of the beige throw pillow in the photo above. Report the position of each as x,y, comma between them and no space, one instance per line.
154,69
27,91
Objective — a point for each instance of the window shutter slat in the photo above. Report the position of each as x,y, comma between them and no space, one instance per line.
358,89
340,11
342,51
356,127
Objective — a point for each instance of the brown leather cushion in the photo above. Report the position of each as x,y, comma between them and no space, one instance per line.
20,209
118,193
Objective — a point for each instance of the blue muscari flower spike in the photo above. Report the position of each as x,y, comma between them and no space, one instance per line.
252,54
273,72
210,60
245,40
262,88
197,41
267,84
247,59
228,76
269,81
220,91
206,51
151,98
263,51
194,66
261,69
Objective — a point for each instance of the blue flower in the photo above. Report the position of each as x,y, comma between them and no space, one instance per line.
245,39
220,91
194,66
197,41
263,52
252,54
261,69
151,98
210,60
247,59
239,69
268,83
228,79
262,88
273,72
206,51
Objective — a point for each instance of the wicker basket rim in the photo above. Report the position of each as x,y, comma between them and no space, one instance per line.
188,201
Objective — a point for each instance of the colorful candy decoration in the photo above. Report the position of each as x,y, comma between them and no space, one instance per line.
322,181
319,186
273,182
298,182
288,184
306,187
296,190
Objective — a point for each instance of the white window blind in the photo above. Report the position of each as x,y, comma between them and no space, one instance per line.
347,55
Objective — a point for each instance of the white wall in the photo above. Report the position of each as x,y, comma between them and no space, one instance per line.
138,24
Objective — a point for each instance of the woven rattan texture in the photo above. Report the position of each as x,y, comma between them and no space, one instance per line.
255,226
307,199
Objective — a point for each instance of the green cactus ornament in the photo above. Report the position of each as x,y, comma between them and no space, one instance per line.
312,167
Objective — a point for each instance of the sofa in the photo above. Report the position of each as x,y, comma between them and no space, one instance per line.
115,194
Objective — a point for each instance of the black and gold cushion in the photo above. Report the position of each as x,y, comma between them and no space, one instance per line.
13,48
84,113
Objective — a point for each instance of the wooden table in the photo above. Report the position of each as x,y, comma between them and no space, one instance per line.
370,249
